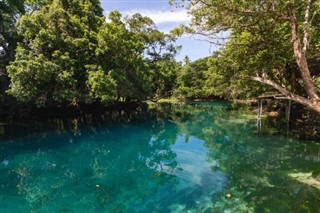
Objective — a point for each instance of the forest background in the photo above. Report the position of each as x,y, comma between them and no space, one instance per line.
63,53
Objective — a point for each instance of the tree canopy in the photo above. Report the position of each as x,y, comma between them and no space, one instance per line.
69,54
191,79
266,37
66,53
9,11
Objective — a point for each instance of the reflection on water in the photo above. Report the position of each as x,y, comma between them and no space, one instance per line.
169,158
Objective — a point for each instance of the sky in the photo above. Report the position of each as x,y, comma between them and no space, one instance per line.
165,17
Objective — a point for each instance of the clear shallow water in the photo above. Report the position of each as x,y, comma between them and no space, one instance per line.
171,158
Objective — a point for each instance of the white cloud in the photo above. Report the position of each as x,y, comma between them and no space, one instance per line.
160,17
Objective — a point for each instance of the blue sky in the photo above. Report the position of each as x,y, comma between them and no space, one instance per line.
165,17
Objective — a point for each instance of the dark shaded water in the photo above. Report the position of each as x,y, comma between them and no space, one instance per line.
170,158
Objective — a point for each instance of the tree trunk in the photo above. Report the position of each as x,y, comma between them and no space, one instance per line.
300,55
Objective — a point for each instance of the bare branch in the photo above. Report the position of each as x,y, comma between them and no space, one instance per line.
217,43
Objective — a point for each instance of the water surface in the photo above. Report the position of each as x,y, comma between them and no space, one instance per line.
170,158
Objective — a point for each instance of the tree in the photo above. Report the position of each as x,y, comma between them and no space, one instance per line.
186,60
273,28
159,53
244,53
120,55
9,12
140,57
57,53
70,55
191,79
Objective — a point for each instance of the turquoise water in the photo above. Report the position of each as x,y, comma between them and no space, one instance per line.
169,158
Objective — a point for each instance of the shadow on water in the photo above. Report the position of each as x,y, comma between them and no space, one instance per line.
68,129
169,158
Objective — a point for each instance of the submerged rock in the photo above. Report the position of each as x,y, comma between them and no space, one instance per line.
5,162
307,178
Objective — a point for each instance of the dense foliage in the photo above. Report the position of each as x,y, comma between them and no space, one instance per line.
8,35
69,54
66,53
270,42
191,79
207,78
8,39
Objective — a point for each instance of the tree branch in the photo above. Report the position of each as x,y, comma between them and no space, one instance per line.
273,84
306,27
315,105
